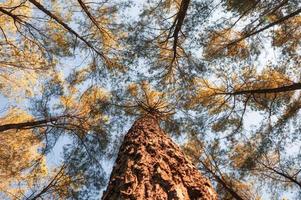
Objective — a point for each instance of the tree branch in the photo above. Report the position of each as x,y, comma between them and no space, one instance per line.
85,9
177,25
27,125
266,27
68,28
222,182
287,88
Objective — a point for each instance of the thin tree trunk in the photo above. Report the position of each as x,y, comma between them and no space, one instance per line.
150,166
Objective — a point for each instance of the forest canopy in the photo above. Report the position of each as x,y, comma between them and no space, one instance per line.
223,77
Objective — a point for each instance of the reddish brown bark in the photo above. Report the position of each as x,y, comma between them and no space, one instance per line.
150,166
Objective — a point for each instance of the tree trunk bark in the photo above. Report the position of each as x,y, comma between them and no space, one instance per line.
150,166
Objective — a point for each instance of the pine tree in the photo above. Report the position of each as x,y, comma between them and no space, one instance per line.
151,166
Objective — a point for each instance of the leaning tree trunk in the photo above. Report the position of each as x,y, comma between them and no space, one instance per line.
150,166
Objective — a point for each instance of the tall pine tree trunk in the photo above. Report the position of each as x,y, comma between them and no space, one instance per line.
150,166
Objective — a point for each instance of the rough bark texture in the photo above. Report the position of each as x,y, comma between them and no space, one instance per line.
150,166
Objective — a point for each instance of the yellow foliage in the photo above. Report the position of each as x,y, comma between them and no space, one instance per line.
23,9
193,148
167,58
149,100
109,40
216,97
272,17
288,34
218,45
225,124
62,182
21,65
59,37
84,110
153,98
15,115
268,78
133,89
209,95
68,101
18,153
92,96
113,63
172,4
243,189
240,153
